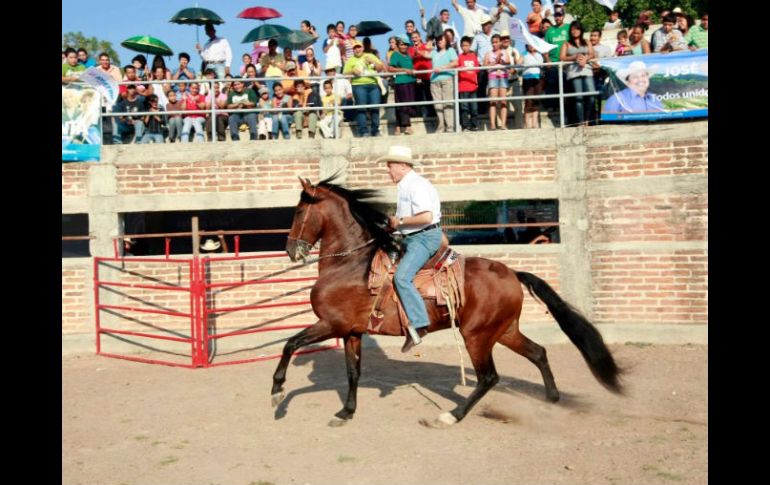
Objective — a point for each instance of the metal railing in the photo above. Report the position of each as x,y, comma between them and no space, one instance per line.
336,108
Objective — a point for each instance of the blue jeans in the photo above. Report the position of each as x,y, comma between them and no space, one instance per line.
367,94
219,68
283,120
419,249
174,129
469,111
190,122
582,84
152,137
124,128
235,121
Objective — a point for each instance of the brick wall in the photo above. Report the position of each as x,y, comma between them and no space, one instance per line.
212,176
74,179
644,287
76,309
676,157
467,168
660,217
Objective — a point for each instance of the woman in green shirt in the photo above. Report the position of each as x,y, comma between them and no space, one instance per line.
401,63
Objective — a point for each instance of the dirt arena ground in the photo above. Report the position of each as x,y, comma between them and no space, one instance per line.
126,423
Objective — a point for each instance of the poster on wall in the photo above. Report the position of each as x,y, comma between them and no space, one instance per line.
657,86
81,131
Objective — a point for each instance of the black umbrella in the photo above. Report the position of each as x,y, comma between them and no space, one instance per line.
368,28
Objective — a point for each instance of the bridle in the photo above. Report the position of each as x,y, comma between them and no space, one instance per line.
305,246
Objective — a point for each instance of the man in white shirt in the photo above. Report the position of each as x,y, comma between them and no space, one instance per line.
418,217
471,17
216,52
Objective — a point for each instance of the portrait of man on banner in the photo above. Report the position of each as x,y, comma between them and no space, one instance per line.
81,132
635,98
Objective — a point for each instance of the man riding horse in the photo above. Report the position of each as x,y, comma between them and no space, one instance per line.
418,216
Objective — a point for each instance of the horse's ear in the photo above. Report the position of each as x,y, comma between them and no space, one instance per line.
306,185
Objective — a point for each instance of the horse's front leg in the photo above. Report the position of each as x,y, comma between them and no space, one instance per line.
322,330
353,361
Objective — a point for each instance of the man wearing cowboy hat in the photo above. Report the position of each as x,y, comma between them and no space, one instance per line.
418,216
635,98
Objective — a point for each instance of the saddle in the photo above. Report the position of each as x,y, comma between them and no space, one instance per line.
442,278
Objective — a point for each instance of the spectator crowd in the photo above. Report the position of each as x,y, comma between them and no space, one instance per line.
420,74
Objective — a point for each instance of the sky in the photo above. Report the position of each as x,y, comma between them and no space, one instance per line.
117,20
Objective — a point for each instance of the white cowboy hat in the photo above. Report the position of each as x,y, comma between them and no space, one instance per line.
484,18
210,245
399,153
635,67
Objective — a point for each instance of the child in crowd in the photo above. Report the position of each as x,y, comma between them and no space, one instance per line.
330,115
624,47
246,58
533,86
265,125
281,119
174,122
468,85
304,97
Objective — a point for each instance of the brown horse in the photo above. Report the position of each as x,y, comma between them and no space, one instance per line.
351,230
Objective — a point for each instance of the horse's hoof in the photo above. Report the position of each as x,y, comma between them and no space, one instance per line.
337,422
277,398
444,421
553,397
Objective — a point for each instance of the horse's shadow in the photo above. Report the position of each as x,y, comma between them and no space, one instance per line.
328,373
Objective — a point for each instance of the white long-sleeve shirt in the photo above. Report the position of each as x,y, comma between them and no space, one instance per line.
217,51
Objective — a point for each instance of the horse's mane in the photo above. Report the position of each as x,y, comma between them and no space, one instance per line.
364,212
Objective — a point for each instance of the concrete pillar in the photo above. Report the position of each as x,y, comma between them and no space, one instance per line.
103,218
574,259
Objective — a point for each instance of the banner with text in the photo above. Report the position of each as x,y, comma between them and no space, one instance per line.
657,86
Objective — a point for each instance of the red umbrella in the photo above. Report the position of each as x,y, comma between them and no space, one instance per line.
260,13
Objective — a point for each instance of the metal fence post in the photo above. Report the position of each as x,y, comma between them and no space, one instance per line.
561,95
456,89
213,112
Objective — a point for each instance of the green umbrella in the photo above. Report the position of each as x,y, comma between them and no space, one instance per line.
196,16
265,31
295,39
148,45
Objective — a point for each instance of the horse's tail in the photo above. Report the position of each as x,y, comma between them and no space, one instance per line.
579,330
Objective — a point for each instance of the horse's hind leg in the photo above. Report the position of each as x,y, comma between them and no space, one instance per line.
353,361
481,355
519,343
318,332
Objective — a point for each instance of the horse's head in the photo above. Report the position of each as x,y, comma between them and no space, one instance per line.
308,222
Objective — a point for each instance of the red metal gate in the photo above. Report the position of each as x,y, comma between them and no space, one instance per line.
198,310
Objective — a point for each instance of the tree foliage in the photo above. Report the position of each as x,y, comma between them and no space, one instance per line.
93,45
593,15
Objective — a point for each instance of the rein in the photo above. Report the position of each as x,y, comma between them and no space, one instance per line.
341,254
